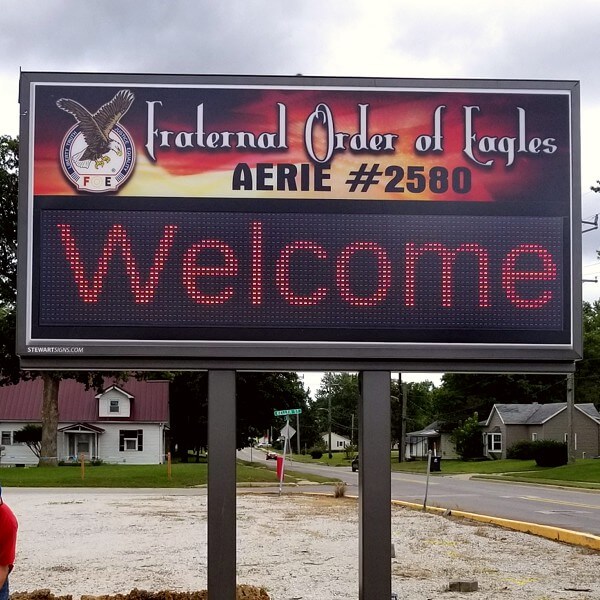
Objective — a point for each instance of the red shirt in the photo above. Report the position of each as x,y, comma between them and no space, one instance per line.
8,535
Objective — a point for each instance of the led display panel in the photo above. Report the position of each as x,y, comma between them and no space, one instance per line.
337,219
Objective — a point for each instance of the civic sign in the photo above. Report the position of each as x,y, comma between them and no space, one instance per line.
290,411
287,219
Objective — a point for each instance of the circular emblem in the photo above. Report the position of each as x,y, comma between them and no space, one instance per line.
104,172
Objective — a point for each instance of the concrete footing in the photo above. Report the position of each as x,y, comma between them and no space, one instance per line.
463,585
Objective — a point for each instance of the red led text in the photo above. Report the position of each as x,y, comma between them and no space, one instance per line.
211,271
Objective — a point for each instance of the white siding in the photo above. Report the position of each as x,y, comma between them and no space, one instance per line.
108,445
338,442
447,449
153,445
120,397
16,454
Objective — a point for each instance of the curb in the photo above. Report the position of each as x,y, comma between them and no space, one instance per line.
567,536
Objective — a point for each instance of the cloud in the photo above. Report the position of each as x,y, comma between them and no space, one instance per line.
522,39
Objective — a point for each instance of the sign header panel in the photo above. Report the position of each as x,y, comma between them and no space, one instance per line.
325,218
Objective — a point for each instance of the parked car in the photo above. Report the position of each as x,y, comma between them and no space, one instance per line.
272,455
355,464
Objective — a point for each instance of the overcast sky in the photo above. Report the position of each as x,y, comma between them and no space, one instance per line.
523,39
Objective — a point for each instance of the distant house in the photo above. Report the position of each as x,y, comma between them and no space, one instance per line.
338,442
511,423
433,437
126,423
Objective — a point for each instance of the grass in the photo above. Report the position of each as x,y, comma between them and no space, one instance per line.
455,467
338,459
138,476
583,474
449,467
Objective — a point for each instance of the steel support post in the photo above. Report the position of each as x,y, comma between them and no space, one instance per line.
374,486
221,485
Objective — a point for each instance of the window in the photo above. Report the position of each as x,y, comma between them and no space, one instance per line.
131,440
114,406
494,442
534,437
6,438
130,443
574,440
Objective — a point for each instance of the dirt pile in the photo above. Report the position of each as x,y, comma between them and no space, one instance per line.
243,592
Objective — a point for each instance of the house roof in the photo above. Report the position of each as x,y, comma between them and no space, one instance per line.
432,430
537,414
79,427
23,401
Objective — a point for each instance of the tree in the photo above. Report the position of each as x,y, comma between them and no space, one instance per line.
341,392
587,375
188,411
260,394
467,438
9,181
418,408
9,185
32,436
461,394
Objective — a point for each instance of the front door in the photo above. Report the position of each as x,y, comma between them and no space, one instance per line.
80,443
83,446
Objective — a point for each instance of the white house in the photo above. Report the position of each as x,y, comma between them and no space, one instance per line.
126,423
338,442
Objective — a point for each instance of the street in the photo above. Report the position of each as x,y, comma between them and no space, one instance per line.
568,508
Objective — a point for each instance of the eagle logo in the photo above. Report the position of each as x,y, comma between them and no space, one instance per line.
97,153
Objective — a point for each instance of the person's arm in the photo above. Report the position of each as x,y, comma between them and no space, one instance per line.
4,571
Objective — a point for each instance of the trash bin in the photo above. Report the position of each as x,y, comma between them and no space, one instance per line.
436,463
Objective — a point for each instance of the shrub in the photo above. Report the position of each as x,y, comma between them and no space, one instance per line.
467,439
316,453
340,490
350,450
550,453
523,450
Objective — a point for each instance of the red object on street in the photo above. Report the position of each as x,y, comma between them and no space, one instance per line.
280,468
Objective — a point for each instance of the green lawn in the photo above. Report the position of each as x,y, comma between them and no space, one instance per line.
339,459
584,473
137,476
451,467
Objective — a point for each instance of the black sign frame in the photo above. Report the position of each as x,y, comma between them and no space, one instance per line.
44,344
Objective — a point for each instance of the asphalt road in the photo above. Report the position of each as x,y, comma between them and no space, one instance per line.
545,505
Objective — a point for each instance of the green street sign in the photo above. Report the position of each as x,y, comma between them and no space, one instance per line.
290,411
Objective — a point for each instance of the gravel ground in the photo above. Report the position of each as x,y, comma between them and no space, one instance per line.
297,547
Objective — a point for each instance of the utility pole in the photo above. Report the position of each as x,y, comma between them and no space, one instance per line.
329,419
570,413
